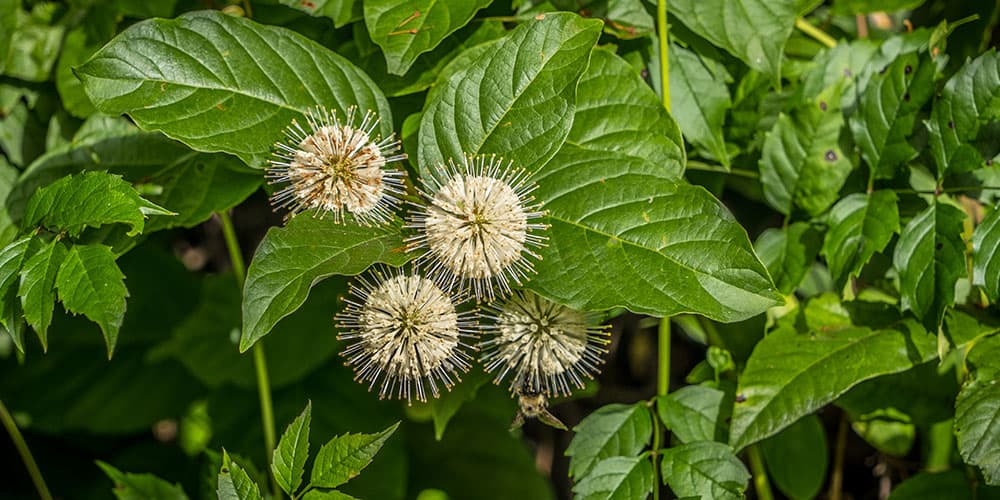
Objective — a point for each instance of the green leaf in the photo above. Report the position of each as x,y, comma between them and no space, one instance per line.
790,375
129,486
801,164
34,45
75,51
923,394
610,431
91,199
985,255
233,85
340,11
445,407
291,259
887,110
699,99
38,277
696,413
628,120
516,101
90,283
704,469
842,63
235,483
789,253
930,258
288,462
977,425
977,410
755,31
970,99
861,225
12,257
796,458
617,478
625,19
624,233
343,457
405,29
326,495
952,484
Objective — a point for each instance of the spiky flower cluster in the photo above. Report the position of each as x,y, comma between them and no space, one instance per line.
476,232
338,168
478,227
545,347
403,330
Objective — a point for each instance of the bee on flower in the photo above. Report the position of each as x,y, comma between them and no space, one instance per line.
479,226
403,332
545,348
337,167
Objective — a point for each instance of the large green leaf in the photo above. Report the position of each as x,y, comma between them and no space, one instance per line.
340,11
234,482
930,258
861,225
289,458
699,99
855,7
753,30
90,283
970,99
130,486
705,470
624,233
887,110
291,259
617,478
405,29
977,410
38,277
343,457
516,101
797,458
789,253
790,375
985,255
801,164
91,199
616,111
696,413
232,86
952,484
610,431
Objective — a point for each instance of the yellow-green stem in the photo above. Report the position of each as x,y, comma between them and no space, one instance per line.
259,360
816,33
22,449
663,366
661,22
759,471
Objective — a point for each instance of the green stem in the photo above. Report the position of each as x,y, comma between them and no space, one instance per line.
22,449
259,360
663,370
816,33
654,456
661,21
759,471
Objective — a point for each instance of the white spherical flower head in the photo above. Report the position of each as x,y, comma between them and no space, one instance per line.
404,331
479,226
338,168
544,346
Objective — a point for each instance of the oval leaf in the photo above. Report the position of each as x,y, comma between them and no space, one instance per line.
986,255
790,375
797,458
517,101
233,85
930,258
699,100
753,30
696,413
612,430
406,28
291,259
617,478
977,425
706,470
626,234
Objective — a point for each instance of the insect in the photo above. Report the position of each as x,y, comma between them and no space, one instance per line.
532,404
